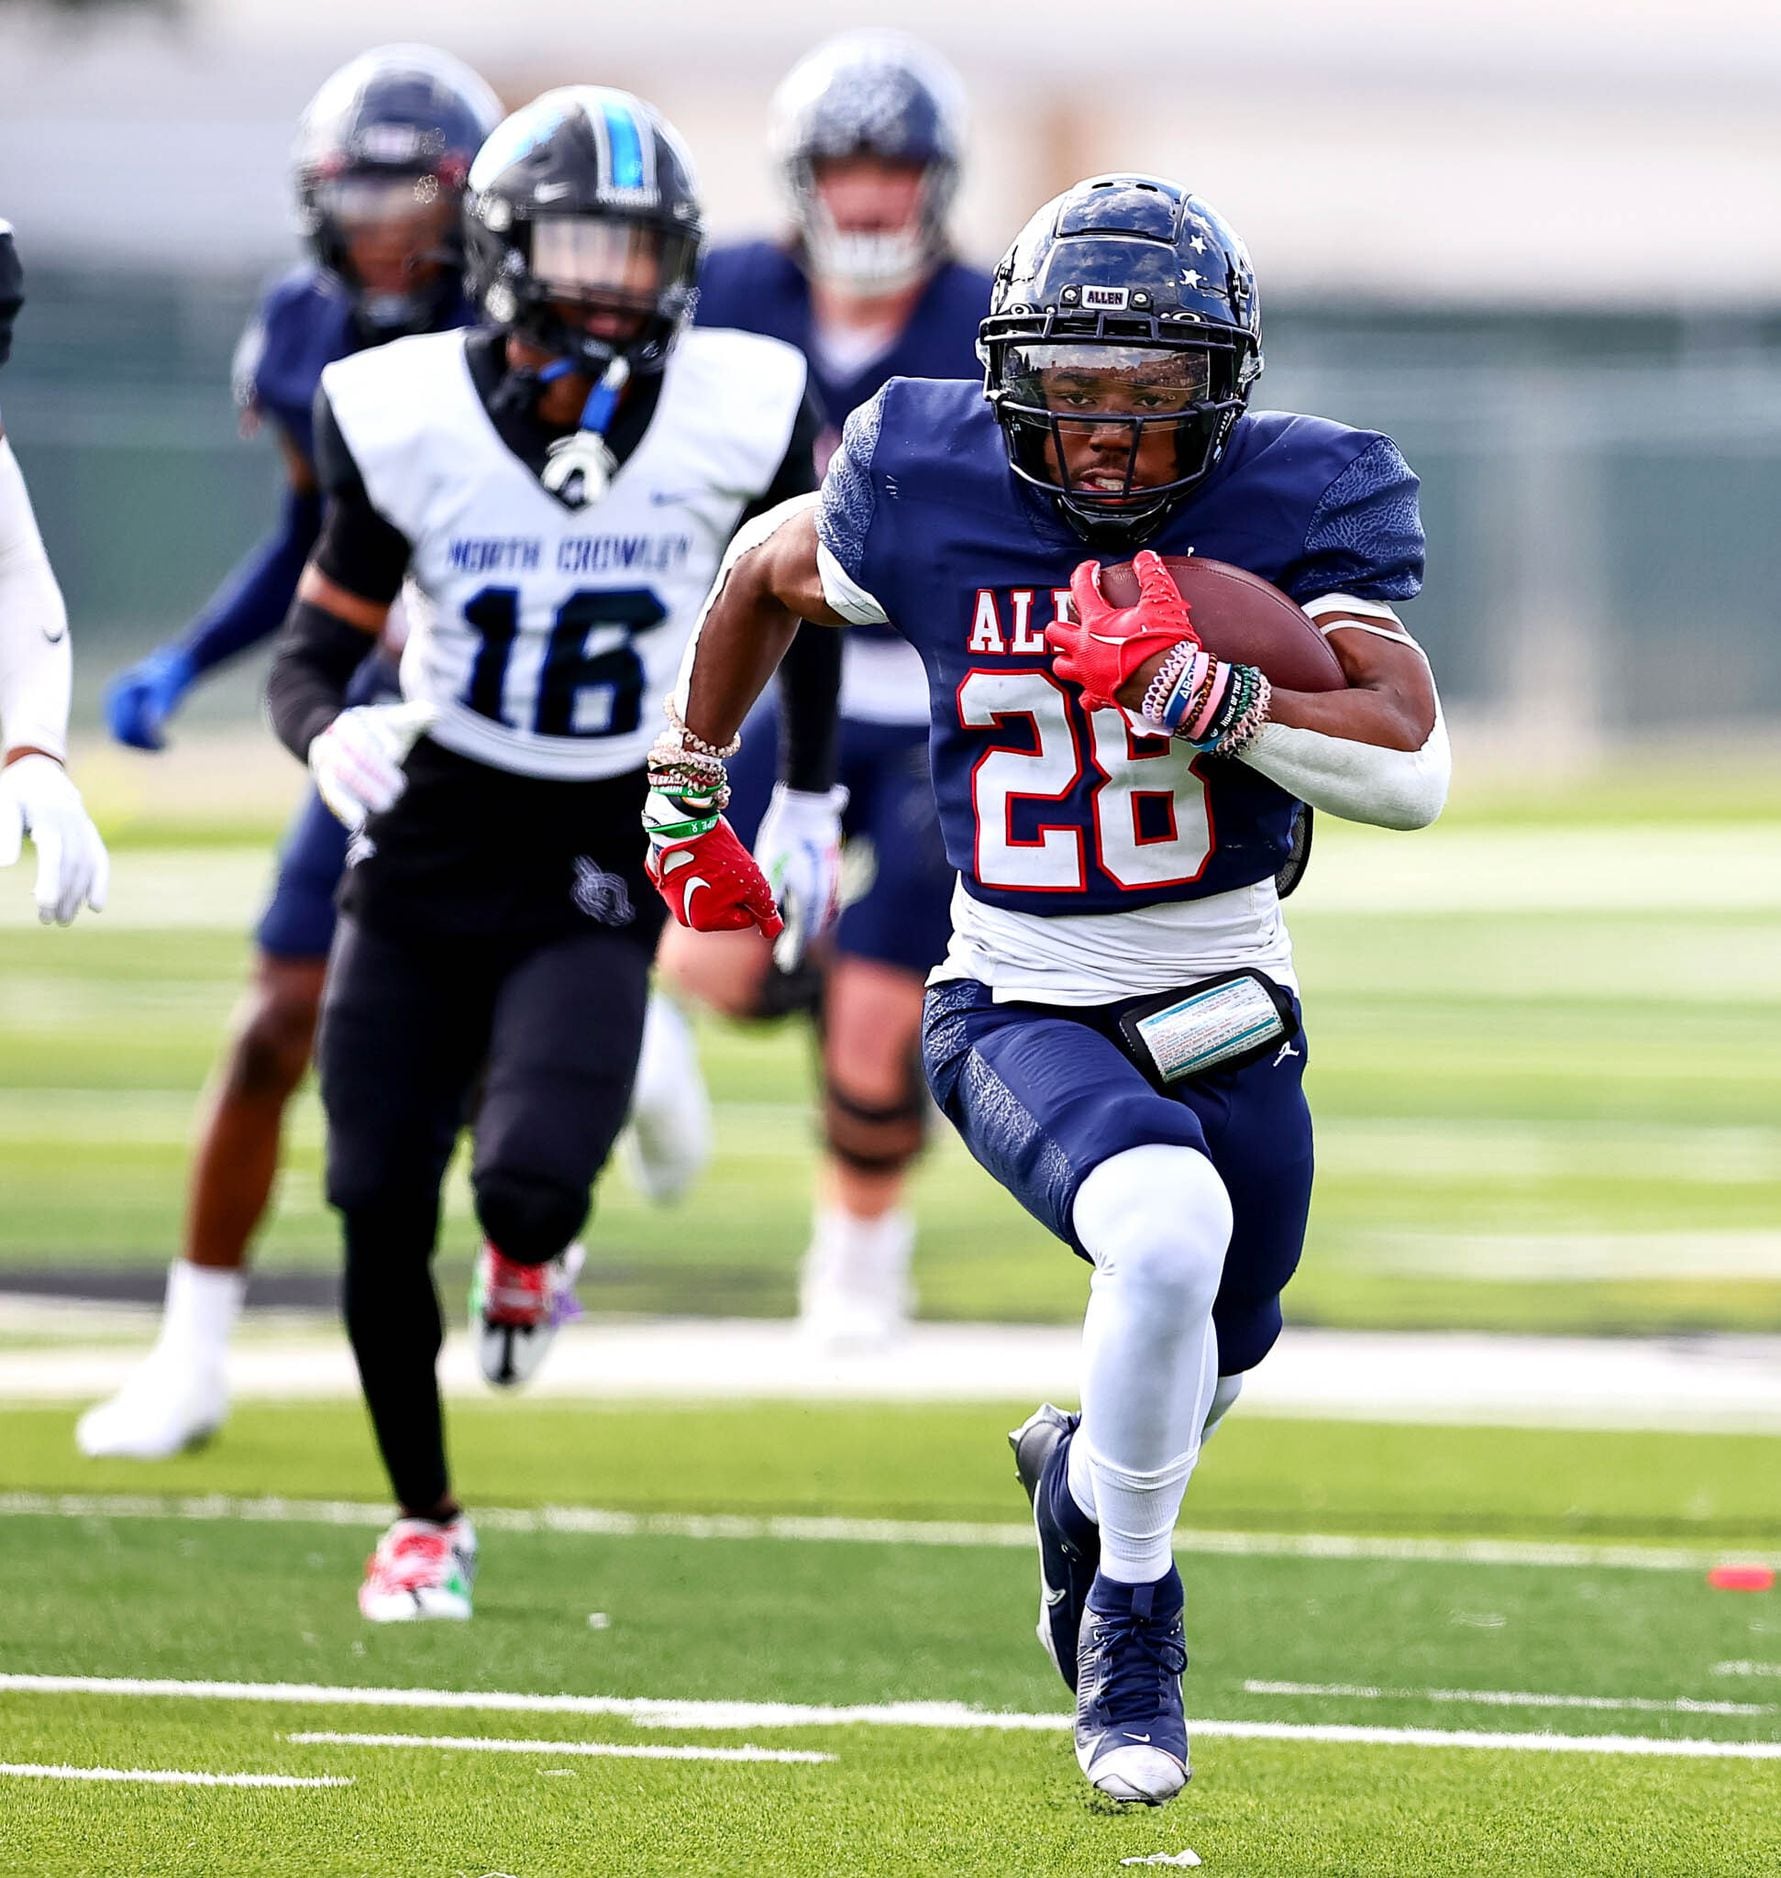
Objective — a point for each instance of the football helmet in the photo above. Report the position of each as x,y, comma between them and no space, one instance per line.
584,228
1123,339
884,94
381,156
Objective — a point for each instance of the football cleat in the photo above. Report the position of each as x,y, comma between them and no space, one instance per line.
516,1311
1069,1543
164,1407
1131,1728
420,1569
854,1291
668,1140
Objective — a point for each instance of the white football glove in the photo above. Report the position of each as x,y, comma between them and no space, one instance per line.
38,798
357,761
799,850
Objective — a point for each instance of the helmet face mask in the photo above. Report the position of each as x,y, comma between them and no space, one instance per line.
1123,339
584,230
381,156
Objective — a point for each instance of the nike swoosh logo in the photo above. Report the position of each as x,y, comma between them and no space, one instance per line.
1101,639
1132,1737
692,887
1055,1598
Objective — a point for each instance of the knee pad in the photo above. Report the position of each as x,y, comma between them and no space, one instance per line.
875,1138
1157,1220
529,1217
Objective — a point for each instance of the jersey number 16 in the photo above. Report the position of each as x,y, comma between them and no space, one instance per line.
579,693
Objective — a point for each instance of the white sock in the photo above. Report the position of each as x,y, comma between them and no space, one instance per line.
857,1255
1156,1221
664,1055
202,1304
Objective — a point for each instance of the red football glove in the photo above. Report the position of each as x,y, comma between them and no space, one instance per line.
711,882
1104,645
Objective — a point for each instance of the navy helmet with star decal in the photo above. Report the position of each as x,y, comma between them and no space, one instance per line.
584,228
1131,282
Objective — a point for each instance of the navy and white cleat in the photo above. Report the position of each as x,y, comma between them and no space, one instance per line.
1069,1544
1131,1728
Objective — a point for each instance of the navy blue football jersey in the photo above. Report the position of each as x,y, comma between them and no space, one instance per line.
304,323
1047,808
759,287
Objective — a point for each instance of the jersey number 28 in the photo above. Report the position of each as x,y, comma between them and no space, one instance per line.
579,693
1151,824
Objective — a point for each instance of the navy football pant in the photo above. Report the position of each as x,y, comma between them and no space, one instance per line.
904,918
1043,1095
298,922
543,1038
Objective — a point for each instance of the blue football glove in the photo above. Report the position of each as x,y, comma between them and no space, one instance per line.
141,698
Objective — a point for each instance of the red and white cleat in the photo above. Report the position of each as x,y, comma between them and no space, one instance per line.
420,1569
516,1311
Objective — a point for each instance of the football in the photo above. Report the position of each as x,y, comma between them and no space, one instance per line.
1239,616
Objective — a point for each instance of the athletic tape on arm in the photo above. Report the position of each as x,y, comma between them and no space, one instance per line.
35,665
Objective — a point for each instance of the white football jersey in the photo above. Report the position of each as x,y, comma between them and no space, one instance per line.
549,637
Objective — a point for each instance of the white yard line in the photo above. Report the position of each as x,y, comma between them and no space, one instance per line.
683,1714
167,1776
1691,1750
815,1530
616,1750
1723,1383
1515,1698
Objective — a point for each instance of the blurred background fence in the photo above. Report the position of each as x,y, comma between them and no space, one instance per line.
1536,244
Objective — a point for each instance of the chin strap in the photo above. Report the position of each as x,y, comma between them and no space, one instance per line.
579,468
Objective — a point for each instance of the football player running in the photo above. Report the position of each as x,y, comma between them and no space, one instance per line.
379,163
1117,802
867,131
37,797
556,487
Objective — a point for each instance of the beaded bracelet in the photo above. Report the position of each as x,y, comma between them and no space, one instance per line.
693,743
1157,693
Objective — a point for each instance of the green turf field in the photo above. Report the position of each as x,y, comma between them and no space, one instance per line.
1546,1067
1334,1587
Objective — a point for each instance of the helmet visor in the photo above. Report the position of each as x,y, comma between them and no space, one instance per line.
389,235
602,260
1077,380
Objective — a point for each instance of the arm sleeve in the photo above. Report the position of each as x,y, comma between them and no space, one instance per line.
359,549
1365,534
251,604
317,654
35,666
810,672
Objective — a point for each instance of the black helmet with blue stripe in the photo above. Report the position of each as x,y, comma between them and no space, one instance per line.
583,228
387,142
1127,285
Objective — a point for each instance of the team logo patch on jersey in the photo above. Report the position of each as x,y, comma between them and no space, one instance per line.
602,896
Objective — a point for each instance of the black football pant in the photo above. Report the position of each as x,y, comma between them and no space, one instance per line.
543,1036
